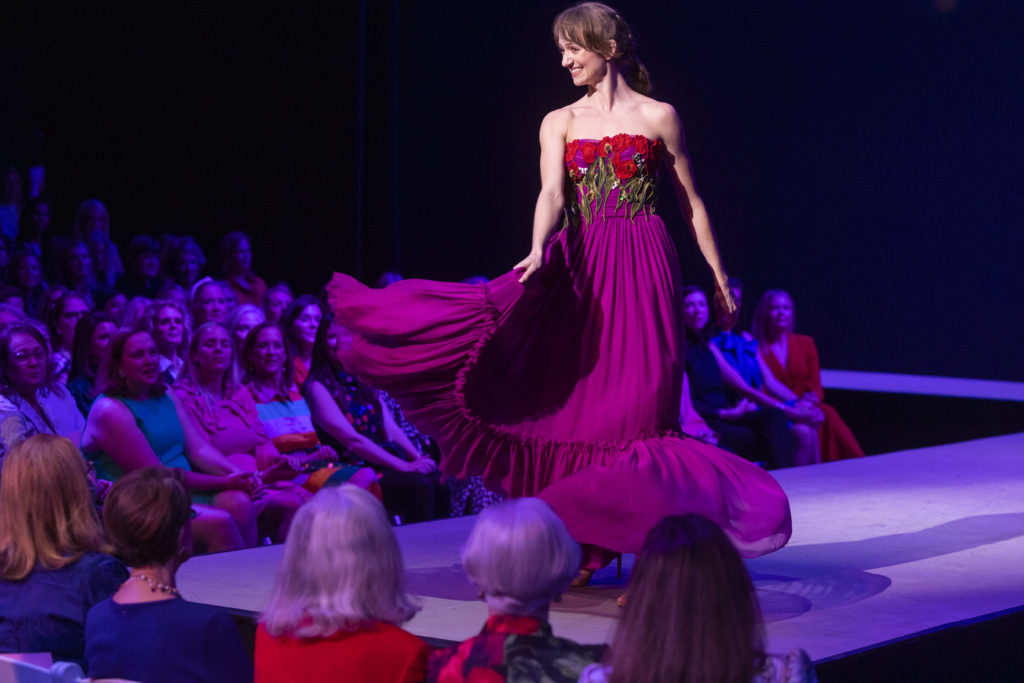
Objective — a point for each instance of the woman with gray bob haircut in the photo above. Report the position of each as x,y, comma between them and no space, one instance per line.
338,598
521,557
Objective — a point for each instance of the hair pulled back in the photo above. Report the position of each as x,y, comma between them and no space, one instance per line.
594,25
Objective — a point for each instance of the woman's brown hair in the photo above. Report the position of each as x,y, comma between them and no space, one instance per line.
692,613
46,512
593,25
287,378
108,378
145,512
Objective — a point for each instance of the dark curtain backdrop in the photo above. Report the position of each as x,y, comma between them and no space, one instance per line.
867,157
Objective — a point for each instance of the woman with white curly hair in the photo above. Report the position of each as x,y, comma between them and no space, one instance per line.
338,598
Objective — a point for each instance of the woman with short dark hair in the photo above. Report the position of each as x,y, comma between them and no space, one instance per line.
146,631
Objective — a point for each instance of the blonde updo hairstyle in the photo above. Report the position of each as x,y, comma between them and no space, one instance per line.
594,25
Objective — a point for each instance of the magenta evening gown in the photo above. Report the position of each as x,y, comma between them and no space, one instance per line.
567,387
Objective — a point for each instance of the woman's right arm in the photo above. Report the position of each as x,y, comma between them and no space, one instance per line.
111,428
328,416
551,201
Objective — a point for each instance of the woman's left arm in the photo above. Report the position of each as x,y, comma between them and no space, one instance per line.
670,130
814,369
198,450
396,433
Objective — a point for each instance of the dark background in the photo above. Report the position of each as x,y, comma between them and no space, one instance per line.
867,157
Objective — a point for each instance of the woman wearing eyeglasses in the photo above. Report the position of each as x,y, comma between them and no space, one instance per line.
31,400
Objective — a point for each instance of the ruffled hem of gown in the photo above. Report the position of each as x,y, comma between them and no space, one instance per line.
608,493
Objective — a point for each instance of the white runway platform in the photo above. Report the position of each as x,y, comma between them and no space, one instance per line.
882,548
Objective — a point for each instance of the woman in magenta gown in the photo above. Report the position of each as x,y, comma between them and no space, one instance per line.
562,378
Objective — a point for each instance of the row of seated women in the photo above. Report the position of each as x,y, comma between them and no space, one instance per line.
338,602
759,393
243,432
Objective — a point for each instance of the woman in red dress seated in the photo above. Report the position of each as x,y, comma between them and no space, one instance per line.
793,360
338,598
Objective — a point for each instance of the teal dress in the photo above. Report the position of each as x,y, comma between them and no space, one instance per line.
157,419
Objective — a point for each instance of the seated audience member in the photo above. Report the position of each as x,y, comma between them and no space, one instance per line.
52,562
102,252
240,321
222,409
32,401
92,219
793,360
75,272
521,557
690,420
135,311
247,286
61,318
146,631
738,346
351,417
277,299
387,278
32,226
169,323
143,276
693,615
757,434
135,423
185,263
27,276
338,599
466,495
9,315
736,354
174,292
283,411
92,334
11,297
113,304
300,322
209,302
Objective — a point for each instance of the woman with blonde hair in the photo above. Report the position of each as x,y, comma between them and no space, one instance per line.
792,359
338,598
53,561
521,557
222,409
171,326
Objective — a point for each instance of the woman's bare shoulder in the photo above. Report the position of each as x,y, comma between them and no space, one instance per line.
660,115
558,120
110,411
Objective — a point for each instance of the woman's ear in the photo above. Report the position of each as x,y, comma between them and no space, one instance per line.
613,49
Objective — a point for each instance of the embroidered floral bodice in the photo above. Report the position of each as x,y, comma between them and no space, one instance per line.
614,177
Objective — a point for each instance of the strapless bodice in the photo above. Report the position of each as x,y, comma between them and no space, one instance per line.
614,177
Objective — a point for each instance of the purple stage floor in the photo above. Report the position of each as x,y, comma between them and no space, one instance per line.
882,548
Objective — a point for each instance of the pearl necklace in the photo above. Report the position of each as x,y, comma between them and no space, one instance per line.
154,585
